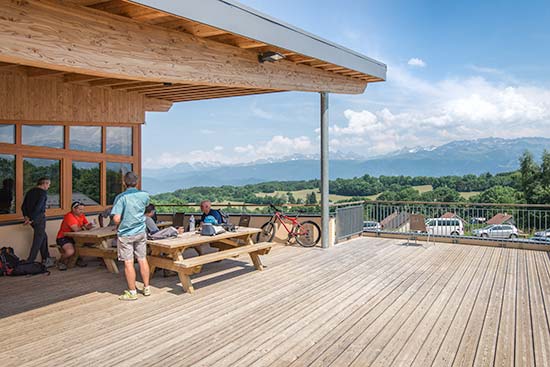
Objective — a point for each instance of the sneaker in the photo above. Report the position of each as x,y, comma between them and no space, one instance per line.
147,291
128,296
81,263
61,266
49,262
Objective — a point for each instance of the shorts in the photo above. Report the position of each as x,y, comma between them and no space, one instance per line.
63,241
130,246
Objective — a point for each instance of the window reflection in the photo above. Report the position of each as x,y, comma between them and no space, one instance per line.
119,140
50,136
7,178
7,134
115,173
86,182
36,168
86,138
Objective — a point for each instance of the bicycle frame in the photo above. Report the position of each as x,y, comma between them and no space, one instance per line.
282,218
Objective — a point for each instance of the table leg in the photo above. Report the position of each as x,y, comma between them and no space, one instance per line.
152,262
256,261
109,263
186,282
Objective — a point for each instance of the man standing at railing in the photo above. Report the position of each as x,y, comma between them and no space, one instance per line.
129,214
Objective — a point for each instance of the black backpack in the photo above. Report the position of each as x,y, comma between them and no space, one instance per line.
8,261
10,264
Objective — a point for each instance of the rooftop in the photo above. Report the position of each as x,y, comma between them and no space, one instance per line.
366,302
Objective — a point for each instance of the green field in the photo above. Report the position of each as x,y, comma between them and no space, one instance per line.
302,194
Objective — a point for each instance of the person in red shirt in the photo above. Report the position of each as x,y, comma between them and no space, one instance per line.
74,221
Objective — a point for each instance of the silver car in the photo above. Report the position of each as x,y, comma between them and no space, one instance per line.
497,231
545,233
370,225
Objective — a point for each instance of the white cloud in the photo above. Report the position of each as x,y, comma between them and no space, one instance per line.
278,146
444,111
416,62
261,113
218,148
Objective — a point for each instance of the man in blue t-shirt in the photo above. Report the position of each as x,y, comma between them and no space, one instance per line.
129,214
206,209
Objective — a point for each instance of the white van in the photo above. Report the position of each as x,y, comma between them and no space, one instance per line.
445,226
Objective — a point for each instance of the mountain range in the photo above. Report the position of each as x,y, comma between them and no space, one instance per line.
459,157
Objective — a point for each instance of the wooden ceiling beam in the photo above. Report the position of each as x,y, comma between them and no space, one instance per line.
190,99
75,39
135,84
39,72
79,78
194,92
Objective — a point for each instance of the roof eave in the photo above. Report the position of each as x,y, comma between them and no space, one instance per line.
236,18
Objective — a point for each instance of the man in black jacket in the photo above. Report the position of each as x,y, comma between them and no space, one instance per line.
34,211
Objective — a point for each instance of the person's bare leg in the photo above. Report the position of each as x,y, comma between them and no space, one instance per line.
144,270
130,273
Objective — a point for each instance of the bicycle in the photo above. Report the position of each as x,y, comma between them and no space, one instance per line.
307,233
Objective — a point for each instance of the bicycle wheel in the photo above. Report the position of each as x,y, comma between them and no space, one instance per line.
307,233
267,233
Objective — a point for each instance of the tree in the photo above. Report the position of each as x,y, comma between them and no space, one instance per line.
530,175
498,195
311,198
442,194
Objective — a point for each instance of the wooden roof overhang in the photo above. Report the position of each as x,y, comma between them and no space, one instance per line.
130,47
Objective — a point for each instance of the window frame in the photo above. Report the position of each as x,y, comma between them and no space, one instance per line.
66,155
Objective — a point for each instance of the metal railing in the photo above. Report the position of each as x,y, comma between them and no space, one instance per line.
510,222
349,221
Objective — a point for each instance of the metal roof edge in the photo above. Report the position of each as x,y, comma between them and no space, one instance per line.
234,17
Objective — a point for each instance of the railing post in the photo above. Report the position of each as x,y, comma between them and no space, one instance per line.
324,171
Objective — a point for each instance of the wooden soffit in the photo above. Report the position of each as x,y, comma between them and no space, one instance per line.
77,39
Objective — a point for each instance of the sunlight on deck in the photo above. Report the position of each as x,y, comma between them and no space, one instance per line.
367,302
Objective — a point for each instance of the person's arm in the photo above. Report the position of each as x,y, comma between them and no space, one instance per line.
86,225
118,209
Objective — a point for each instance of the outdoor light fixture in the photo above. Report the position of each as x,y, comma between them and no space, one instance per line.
167,84
269,56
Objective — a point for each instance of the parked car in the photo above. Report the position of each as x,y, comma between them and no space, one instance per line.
497,231
370,225
445,226
545,233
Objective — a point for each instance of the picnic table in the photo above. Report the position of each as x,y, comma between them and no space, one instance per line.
168,253
96,243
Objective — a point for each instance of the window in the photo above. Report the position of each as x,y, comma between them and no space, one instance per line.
50,136
115,173
86,182
86,138
7,178
7,134
36,168
119,140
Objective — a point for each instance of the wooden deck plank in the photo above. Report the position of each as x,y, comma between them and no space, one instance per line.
366,302
414,330
163,324
245,334
336,306
524,332
506,351
541,332
343,351
458,330
432,344
486,347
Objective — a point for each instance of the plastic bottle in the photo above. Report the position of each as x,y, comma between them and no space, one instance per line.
192,223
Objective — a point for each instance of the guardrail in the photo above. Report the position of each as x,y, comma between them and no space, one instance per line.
349,221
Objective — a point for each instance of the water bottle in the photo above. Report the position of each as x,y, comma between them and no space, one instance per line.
192,223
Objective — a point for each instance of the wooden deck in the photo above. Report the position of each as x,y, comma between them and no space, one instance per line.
368,302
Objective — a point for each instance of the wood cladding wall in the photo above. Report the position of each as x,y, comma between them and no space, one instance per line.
50,99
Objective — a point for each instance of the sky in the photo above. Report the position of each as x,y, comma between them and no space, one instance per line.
456,70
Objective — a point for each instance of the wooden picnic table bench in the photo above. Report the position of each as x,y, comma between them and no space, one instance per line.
168,253
96,243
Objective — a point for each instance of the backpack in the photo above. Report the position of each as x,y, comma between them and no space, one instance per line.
30,268
8,261
224,216
10,264
168,232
